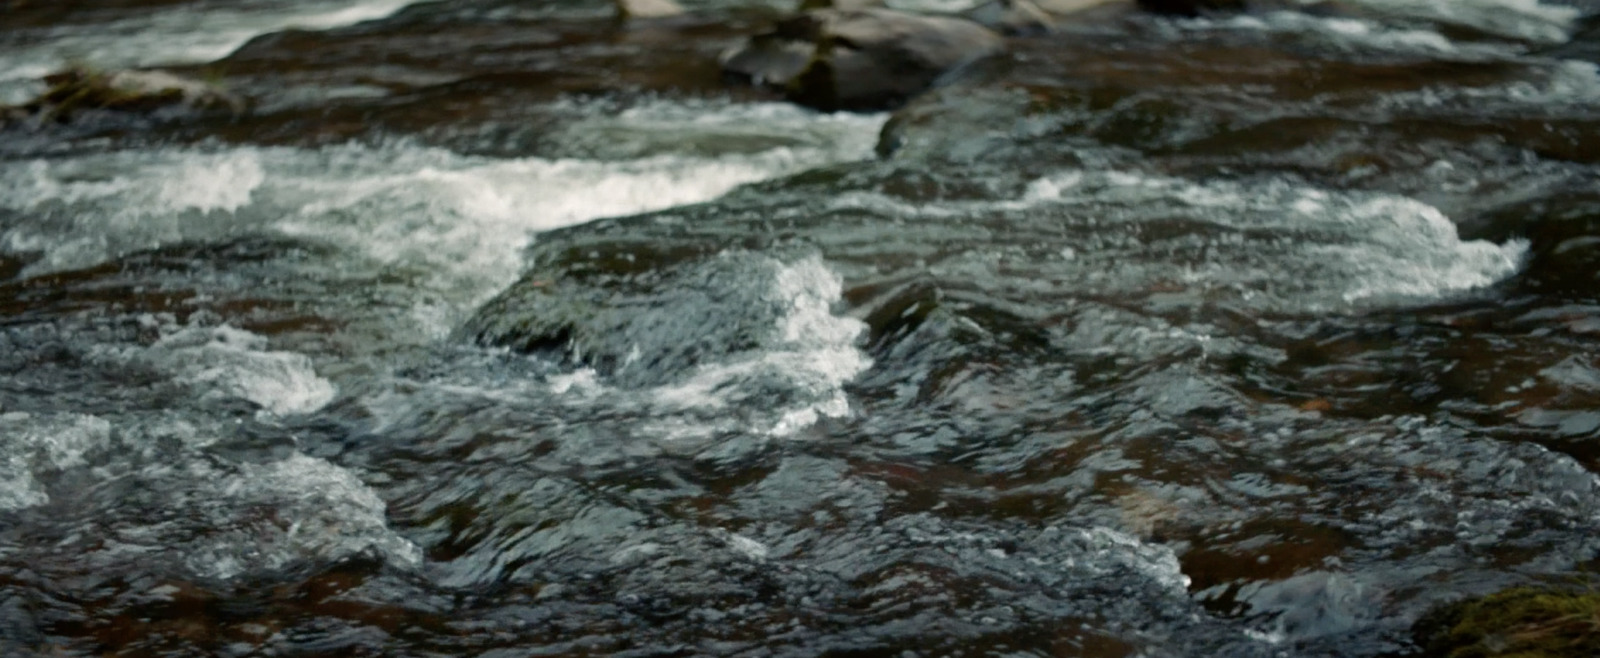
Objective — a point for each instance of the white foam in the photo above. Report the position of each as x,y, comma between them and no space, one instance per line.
457,221
1412,250
1413,26
85,210
1529,20
35,445
793,377
1350,34
813,352
1331,245
320,512
224,362
214,184
1564,83
1109,550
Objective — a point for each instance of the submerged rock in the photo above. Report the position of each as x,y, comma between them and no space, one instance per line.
77,90
859,59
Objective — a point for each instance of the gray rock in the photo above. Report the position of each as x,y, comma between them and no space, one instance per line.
630,9
1012,17
1029,17
859,59
770,60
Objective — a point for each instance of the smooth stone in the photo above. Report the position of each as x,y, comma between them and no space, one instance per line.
859,60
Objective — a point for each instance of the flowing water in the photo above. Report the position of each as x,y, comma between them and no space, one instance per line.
499,329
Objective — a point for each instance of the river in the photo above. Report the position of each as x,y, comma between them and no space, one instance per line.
497,328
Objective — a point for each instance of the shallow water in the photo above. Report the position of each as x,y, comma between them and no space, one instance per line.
498,329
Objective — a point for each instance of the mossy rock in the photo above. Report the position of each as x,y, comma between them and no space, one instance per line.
1524,622
80,89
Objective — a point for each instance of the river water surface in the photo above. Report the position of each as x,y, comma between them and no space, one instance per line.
498,329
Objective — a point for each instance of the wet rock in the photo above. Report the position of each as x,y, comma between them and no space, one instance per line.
629,9
1031,17
77,90
768,60
1192,7
859,60
1012,17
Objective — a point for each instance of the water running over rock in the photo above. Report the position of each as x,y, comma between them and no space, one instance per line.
504,328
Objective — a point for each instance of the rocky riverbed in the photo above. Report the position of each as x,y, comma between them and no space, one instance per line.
507,327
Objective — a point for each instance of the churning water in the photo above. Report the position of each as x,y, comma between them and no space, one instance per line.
1248,336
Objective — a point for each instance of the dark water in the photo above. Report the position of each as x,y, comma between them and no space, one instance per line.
498,329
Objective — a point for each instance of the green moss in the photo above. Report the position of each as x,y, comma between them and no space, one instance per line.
1523,622
79,88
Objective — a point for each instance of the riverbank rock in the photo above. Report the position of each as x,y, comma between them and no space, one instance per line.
867,59
645,9
1524,622
77,90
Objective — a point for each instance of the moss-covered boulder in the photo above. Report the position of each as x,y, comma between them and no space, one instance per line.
78,89
1524,622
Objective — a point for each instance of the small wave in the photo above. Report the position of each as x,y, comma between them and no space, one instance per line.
320,512
1527,20
1275,244
459,221
1353,246
1416,27
808,356
224,363
1566,84
33,445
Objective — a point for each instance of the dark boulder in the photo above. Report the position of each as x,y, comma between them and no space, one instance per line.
851,5
1192,8
859,60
